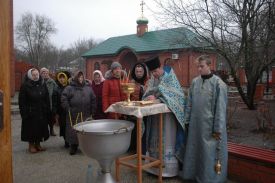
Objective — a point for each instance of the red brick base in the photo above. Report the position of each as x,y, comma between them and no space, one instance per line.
242,168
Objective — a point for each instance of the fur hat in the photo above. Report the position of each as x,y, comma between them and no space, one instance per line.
152,63
115,65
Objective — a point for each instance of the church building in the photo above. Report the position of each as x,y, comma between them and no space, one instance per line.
176,47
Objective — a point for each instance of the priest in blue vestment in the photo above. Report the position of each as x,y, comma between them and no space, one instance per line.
164,85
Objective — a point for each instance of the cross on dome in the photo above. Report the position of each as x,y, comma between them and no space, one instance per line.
142,4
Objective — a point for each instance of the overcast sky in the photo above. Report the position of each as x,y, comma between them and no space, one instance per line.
78,19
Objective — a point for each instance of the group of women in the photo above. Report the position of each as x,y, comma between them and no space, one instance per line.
192,148
74,99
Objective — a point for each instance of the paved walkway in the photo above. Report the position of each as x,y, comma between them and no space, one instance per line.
55,165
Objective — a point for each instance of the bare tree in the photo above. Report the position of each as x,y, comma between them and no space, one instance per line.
69,58
50,57
33,43
20,55
32,33
82,45
78,48
241,31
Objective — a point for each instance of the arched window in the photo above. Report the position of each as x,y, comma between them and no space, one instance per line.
107,63
96,66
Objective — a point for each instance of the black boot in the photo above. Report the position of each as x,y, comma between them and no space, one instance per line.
73,149
67,145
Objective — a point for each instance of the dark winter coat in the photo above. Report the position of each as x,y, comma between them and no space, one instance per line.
141,83
57,109
77,99
99,114
111,92
34,107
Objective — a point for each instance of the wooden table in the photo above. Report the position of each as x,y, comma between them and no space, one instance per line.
140,112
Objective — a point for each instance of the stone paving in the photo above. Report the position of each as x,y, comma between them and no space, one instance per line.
55,165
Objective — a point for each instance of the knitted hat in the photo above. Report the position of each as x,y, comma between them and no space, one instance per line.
152,63
115,65
43,69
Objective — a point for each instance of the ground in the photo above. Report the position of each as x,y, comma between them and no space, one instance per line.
252,127
57,166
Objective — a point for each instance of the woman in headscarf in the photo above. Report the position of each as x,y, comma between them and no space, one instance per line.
79,101
62,80
139,76
34,107
97,85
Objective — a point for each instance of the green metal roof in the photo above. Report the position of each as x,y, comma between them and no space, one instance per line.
169,39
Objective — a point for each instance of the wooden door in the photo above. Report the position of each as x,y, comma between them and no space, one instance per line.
5,63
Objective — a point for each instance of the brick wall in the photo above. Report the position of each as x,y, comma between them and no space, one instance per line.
20,70
184,67
242,76
249,171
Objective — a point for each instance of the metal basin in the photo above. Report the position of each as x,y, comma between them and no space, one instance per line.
104,140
